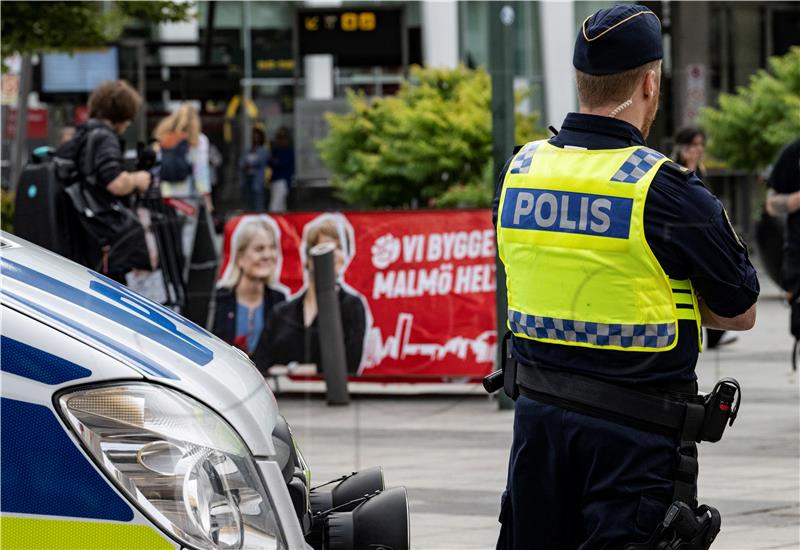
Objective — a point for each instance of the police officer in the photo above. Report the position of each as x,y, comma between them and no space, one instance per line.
783,199
614,257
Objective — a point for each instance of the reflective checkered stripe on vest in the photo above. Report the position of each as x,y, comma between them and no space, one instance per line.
578,268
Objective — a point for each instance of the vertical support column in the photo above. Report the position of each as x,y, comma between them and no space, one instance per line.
19,147
141,87
556,23
331,333
247,88
691,59
501,68
440,34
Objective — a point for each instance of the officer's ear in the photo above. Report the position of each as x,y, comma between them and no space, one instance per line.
652,80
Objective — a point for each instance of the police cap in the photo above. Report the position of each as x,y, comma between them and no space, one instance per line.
616,39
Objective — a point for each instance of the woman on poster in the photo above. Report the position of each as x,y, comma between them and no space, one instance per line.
249,288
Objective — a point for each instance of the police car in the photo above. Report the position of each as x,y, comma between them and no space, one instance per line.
126,426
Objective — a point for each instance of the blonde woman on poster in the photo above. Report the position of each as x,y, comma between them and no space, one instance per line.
249,288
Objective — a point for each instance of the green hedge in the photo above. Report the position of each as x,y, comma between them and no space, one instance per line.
750,127
429,145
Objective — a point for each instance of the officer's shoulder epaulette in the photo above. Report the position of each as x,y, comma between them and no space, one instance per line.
675,168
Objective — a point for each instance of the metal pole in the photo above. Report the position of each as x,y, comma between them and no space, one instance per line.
19,145
331,333
208,43
140,120
404,40
247,88
501,68
141,82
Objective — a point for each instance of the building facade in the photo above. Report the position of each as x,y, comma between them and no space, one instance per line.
248,63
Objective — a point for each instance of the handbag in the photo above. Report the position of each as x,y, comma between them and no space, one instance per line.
114,237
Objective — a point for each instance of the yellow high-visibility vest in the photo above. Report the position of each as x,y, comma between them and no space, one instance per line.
579,271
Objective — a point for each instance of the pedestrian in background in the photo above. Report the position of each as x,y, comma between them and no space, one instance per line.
184,149
185,170
112,107
783,199
592,226
99,171
281,161
252,169
690,144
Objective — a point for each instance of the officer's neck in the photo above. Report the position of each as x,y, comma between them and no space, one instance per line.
634,114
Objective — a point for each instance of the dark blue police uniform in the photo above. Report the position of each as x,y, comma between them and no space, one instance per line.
577,479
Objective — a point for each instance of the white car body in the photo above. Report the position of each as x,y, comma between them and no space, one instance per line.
101,332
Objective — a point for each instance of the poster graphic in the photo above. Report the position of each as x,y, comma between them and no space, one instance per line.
416,291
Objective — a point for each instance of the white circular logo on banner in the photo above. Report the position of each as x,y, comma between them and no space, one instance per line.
385,251
507,15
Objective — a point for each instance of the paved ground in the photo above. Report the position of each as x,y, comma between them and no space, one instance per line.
450,451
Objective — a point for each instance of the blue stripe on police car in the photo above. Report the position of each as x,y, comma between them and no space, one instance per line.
139,361
567,212
45,474
125,308
35,364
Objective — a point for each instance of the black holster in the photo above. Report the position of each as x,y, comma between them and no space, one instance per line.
506,376
683,528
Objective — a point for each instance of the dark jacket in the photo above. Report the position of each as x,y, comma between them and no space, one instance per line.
281,160
225,314
288,340
785,178
107,153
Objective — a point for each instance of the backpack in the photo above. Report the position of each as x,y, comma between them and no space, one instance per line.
112,235
175,163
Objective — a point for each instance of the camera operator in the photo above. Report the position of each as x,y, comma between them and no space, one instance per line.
112,106
97,152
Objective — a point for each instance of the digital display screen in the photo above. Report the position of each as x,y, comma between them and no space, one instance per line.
78,72
355,37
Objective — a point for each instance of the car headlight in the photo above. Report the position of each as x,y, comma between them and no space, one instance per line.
185,467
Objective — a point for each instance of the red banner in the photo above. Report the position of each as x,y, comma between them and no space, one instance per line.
425,279
36,126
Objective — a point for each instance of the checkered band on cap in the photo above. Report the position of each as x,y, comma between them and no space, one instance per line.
522,162
638,164
654,336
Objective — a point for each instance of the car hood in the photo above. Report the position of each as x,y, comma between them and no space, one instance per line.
139,335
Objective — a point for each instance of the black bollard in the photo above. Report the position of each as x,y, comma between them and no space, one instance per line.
331,334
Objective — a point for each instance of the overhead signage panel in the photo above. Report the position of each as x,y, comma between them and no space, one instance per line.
355,37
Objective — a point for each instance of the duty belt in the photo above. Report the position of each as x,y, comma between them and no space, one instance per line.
688,416
663,412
